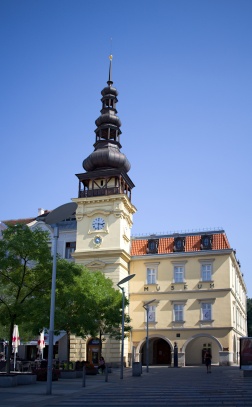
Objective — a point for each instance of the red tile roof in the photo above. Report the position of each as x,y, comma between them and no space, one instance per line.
18,221
192,243
24,221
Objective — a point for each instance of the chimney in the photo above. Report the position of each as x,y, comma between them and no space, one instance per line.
41,211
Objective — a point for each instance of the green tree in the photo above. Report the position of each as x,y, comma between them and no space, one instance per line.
102,307
86,303
25,274
249,316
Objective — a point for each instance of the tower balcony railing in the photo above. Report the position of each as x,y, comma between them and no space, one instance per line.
99,192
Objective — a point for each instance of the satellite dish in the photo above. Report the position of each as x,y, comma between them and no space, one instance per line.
61,213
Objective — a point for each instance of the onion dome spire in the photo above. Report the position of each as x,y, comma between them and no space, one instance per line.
107,145
110,82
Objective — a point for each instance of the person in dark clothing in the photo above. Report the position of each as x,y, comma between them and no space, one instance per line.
101,364
208,360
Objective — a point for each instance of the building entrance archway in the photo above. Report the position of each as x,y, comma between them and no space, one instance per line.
93,350
196,347
159,352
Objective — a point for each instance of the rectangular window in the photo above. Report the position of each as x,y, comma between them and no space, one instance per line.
179,274
206,311
206,272
151,313
178,312
151,275
70,248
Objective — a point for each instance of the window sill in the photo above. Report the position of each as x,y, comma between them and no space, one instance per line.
204,323
178,322
206,320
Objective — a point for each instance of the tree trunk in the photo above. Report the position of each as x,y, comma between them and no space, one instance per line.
9,351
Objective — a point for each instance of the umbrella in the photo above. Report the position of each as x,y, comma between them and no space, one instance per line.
41,343
15,343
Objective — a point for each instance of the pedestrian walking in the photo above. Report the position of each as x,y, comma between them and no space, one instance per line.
101,364
208,361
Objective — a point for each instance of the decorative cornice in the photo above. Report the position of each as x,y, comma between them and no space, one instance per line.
112,198
102,253
199,253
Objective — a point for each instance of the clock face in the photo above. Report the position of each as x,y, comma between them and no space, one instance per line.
98,223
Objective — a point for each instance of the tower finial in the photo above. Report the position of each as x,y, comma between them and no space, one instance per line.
110,82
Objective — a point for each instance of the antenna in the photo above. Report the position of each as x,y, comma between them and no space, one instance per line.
110,45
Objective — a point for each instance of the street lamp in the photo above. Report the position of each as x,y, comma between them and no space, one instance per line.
54,217
124,280
146,307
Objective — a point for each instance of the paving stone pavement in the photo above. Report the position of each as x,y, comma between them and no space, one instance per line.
162,386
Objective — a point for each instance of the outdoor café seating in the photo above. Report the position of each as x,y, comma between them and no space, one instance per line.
25,366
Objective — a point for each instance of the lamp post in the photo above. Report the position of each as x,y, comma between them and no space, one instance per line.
146,307
124,280
54,217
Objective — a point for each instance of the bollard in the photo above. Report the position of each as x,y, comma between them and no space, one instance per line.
175,364
106,373
84,377
136,369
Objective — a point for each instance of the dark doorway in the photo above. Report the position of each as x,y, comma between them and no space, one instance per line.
159,352
94,351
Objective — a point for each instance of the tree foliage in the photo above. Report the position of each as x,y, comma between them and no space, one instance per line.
25,270
86,302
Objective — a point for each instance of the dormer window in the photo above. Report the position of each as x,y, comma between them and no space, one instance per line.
206,242
152,246
179,244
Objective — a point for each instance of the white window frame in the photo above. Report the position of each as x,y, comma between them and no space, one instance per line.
151,314
206,275
206,271
179,274
151,273
179,265
206,311
178,312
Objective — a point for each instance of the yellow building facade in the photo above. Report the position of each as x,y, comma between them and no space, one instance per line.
198,294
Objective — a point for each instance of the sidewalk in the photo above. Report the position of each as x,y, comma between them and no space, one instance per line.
162,386
35,394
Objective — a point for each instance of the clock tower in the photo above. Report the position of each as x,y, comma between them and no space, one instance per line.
105,213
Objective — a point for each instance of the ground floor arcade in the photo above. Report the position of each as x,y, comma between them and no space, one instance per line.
190,351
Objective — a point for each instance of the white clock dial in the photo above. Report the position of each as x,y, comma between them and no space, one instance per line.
98,223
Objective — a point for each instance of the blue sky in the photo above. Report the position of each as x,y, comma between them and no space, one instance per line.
183,72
